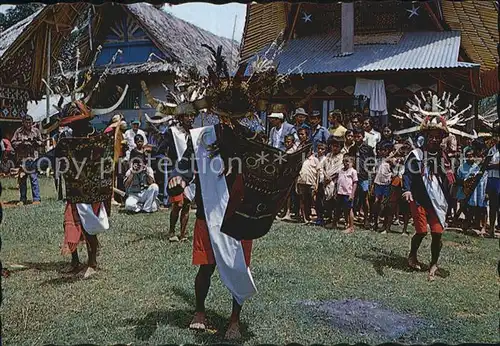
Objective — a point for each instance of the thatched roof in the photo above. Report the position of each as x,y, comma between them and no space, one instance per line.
8,36
179,40
23,48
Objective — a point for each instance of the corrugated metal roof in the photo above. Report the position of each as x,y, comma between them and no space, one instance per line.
415,50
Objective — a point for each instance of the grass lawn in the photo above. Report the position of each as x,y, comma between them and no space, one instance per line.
144,293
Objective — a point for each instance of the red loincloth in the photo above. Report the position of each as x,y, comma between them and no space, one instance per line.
74,234
202,247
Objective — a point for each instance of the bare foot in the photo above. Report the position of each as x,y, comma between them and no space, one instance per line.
233,331
89,272
432,272
414,264
349,230
199,321
173,239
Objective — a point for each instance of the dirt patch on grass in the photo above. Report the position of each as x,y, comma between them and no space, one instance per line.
355,316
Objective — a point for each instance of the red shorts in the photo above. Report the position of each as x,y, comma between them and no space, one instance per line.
422,217
202,248
176,199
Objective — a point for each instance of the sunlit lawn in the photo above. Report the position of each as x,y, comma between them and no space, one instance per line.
144,293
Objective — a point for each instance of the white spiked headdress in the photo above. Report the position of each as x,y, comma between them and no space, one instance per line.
432,112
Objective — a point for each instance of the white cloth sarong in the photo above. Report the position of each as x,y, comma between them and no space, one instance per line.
434,190
92,223
228,252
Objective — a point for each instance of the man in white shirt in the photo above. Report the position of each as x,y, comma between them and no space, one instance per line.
130,134
372,137
141,188
280,129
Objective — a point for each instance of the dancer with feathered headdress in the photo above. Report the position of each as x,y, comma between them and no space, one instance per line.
241,183
88,167
427,177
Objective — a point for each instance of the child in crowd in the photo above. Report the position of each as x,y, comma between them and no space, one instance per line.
290,144
320,195
347,182
329,170
307,182
397,204
290,149
303,137
382,187
477,204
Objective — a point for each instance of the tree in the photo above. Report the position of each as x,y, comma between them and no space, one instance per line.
18,13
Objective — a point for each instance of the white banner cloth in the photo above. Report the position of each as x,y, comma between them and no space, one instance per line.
228,252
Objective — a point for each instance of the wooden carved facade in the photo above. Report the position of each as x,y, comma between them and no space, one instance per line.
15,82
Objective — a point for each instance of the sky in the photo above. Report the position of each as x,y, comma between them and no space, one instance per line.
218,19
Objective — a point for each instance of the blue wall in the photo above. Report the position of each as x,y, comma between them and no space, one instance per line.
133,52
126,34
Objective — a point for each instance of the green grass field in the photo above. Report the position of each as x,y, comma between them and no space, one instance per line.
144,293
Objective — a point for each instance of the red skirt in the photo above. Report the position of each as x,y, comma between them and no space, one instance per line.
74,234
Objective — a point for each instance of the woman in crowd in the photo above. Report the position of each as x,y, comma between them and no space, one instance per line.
387,135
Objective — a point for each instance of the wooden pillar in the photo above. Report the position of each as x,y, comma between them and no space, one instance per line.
48,73
440,85
347,23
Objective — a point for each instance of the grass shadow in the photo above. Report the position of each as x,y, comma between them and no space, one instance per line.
181,318
45,266
39,266
158,236
381,259
61,281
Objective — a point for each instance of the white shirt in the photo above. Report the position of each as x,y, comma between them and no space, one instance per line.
129,137
277,137
309,172
494,173
372,138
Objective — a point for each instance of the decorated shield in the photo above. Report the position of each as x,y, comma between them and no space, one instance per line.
268,176
89,168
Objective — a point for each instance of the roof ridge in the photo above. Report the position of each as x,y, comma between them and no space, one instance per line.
178,39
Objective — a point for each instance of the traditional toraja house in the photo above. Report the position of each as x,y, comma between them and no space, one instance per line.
24,51
384,49
152,45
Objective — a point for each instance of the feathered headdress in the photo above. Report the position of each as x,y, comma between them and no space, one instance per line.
434,113
74,101
234,97
221,93
186,97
